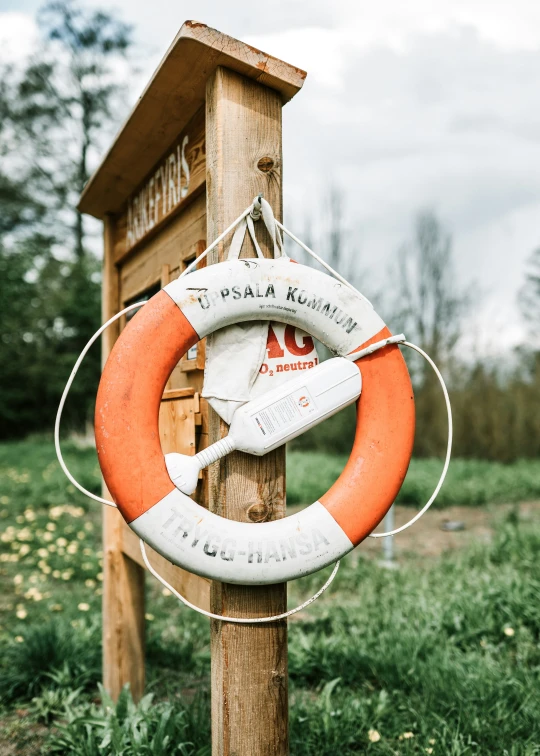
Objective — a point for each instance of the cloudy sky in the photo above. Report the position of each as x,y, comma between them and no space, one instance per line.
429,103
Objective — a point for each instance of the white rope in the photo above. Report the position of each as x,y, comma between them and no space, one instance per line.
322,262
236,620
63,401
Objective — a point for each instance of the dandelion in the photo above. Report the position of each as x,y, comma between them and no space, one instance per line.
72,548
30,515
149,617
88,526
51,547
34,578
98,592
66,575
19,519
4,499
429,750
99,576
373,736
24,550
51,526
21,614
432,741
42,553
61,542
87,552
18,579
47,536
19,639
56,573
81,535
83,607
90,583
406,736
166,592
509,631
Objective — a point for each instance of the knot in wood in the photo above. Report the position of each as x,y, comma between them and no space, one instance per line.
265,164
259,511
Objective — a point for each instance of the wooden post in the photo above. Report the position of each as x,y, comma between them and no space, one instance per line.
249,662
123,579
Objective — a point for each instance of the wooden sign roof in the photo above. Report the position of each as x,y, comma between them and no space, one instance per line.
173,95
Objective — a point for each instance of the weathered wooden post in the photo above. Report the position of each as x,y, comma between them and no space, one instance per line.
202,141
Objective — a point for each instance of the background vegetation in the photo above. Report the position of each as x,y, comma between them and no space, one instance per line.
440,657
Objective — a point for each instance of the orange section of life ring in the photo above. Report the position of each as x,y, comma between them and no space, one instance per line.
383,443
127,404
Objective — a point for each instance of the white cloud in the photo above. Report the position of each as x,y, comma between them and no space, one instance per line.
406,105
18,34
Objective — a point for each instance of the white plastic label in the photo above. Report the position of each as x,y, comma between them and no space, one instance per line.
285,412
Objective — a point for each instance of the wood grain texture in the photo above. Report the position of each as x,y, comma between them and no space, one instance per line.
123,579
249,663
172,97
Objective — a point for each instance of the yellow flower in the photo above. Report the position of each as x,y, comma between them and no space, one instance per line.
24,550
87,552
72,548
166,592
42,553
56,607
509,631
19,639
99,576
4,499
18,579
51,547
61,542
429,750
30,515
90,583
81,535
432,741
47,536
149,617
66,575
406,736
88,526
373,736
21,614
56,573
51,526
19,518
83,607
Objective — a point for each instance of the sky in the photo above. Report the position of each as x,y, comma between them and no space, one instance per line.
407,106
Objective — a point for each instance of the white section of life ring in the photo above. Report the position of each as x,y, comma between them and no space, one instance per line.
238,552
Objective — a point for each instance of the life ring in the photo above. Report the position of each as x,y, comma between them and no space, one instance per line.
127,436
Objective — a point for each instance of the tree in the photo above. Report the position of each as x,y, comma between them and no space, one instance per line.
65,103
55,112
430,308
529,297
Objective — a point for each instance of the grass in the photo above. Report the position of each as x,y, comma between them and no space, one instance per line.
469,482
440,657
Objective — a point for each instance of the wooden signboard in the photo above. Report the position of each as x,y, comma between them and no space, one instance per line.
202,141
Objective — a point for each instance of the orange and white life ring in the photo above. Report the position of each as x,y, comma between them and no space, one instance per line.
127,436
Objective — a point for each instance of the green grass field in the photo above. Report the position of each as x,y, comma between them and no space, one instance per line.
440,657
